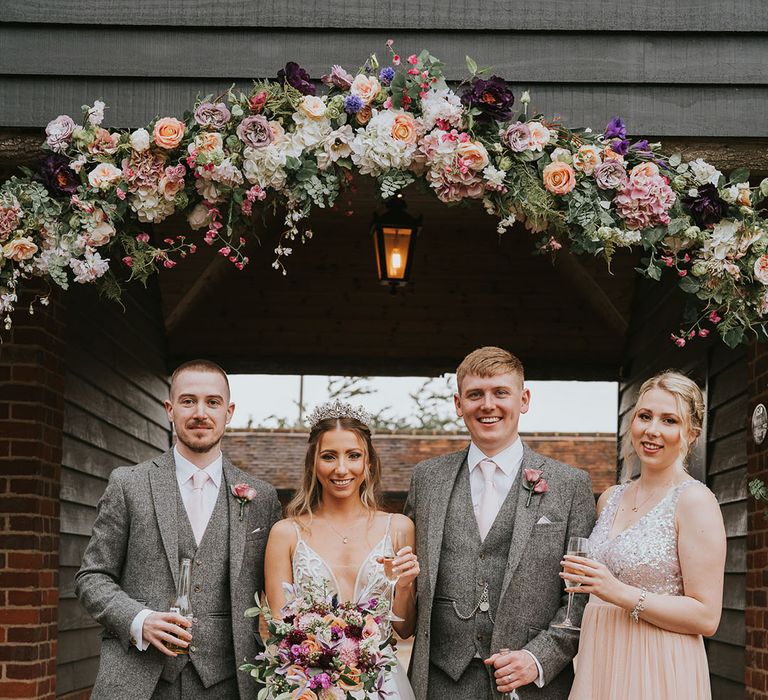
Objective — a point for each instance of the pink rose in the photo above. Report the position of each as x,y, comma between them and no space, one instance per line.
532,475
541,486
244,491
168,132
256,102
255,131
761,269
58,132
365,88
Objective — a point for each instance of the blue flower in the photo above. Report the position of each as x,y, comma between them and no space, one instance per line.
386,75
353,104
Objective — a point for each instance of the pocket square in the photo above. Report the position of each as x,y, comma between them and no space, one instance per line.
258,529
543,520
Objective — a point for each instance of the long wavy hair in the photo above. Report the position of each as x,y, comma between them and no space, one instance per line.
309,493
690,407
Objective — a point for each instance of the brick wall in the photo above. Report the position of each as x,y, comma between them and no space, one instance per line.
757,540
278,456
31,418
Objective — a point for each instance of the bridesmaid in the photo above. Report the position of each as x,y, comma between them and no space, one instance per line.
655,576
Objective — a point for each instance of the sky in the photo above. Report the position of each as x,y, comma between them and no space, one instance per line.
555,406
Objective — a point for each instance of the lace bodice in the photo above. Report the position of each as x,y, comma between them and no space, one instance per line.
644,554
309,566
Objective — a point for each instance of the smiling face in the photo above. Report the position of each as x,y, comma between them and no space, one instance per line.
340,464
491,408
200,409
660,437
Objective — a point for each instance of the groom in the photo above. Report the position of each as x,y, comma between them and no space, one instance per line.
179,505
491,550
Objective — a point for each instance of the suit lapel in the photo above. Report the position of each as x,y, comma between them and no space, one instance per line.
237,527
525,518
438,509
162,481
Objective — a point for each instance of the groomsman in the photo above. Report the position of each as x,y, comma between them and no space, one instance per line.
490,547
179,505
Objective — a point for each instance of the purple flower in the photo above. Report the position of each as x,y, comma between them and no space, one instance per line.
338,77
620,147
492,97
386,75
296,77
615,129
707,208
254,131
57,176
517,137
353,104
320,680
214,116
610,175
641,146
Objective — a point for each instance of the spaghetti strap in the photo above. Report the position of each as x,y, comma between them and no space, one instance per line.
298,531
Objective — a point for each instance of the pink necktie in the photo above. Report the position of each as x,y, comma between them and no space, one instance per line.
489,501
196,510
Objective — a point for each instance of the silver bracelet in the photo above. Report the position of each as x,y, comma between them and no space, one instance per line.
639,606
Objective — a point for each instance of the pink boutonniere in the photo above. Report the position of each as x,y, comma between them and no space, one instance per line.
243,493
534,483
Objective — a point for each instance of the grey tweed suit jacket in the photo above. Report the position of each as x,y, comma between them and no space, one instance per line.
532,595
132,562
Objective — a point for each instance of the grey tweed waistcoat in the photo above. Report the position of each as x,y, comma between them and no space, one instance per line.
460,630
212,649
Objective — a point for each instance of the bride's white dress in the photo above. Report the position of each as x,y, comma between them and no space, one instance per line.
309,567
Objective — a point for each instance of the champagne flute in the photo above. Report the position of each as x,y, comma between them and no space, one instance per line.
577,547
512,694
392,545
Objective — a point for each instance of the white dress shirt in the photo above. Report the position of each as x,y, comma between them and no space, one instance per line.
184,472
508,462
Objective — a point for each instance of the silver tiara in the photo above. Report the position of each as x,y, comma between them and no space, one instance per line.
337,409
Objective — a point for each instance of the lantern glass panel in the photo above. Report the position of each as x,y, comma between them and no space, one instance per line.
396,242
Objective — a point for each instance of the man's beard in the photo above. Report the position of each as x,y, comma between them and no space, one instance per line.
199,447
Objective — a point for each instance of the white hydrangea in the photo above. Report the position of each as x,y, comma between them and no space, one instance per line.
374,151
265,167
704,173
227,174
494,176
150,206
90,267
442,105
723,240
310,132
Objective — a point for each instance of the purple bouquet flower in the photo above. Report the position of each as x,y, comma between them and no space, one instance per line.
615,129
337,77
492,97
296,77
707,207
254,131
353,104
212,116
386,75
57,176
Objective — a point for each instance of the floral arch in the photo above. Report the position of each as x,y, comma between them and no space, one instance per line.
286,147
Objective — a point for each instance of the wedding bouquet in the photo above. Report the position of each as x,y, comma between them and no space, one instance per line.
322,649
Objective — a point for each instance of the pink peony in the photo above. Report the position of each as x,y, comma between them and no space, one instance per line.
10,216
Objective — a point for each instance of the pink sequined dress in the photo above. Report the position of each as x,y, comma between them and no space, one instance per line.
621,659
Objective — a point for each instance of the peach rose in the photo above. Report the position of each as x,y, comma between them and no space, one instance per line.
539,136
103,176
647,169
312,107
610,154
404,128
206,142
364,115
365,88
473,153
305,694
311,645
169,188
102,232
586,159
559,178
353,675
19,249
168,132
278,133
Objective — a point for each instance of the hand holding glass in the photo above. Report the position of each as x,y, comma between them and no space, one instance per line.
394,543
577,547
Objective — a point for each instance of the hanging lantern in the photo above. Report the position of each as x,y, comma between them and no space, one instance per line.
394,235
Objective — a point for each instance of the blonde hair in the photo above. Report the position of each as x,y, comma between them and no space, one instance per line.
690,407
199,365
309,493
489,361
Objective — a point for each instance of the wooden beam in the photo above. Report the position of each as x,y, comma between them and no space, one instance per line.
196,295
592,292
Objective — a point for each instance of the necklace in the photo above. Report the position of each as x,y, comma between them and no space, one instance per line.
653,492
344,538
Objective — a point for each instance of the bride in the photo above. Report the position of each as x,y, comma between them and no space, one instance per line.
336,533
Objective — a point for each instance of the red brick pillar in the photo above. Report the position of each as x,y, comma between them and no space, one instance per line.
31,419
757,539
